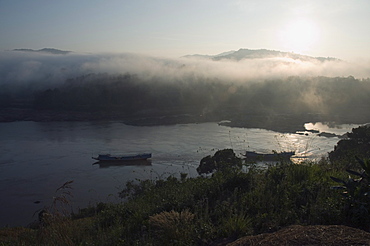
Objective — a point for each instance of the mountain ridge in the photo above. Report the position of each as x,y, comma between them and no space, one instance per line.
243,54
46,50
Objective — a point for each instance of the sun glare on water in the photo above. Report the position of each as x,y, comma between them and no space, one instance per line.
299,35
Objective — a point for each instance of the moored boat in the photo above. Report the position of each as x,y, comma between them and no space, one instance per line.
128,157
284,155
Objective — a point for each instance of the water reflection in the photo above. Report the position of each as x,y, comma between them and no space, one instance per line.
330,127
106,164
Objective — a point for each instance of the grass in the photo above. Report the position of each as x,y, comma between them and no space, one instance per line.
197,211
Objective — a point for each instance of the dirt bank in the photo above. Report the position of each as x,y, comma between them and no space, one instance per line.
297,235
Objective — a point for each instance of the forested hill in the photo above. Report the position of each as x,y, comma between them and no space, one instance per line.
336,97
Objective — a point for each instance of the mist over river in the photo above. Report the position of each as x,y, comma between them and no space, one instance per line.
37,157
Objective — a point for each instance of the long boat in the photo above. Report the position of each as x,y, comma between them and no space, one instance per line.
129,157
285,155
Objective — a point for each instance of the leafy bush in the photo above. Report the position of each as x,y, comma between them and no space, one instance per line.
356,192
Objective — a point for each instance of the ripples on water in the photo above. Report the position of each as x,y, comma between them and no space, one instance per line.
36,158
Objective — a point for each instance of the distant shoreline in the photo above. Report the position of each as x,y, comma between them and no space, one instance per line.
278,123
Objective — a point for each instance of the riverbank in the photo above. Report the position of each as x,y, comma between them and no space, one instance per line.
283,123
28,114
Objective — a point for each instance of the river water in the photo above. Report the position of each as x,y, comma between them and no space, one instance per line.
37,158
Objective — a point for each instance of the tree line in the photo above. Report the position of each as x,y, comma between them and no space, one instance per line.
131,94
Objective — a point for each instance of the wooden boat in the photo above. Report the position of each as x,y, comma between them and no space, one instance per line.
285,155
118,158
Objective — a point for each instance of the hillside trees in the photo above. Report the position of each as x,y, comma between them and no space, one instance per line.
343,97
357,144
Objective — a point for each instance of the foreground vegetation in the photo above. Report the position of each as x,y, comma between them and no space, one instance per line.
228,200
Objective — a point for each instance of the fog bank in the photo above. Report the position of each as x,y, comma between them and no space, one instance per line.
22,68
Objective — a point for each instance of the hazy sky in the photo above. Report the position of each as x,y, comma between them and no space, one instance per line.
335,28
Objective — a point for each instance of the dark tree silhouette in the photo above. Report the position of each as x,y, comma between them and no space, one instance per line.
356,145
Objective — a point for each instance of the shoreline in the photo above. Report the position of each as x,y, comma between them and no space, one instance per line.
279,123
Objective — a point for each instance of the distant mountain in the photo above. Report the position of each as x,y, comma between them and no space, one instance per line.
225,53
45,50
242,54
211,56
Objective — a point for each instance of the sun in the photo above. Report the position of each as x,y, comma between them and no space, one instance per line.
299,35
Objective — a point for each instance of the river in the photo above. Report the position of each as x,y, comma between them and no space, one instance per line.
38,157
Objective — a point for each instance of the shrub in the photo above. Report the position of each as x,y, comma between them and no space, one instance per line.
356,193
223,160
173,228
